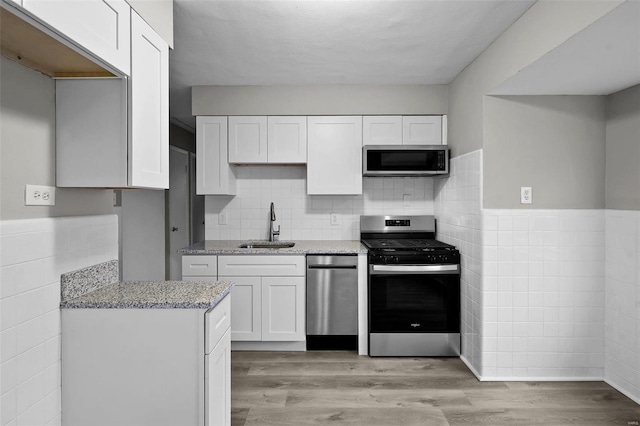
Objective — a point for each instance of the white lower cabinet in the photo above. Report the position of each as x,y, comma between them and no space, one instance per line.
268,297
147,366
218,383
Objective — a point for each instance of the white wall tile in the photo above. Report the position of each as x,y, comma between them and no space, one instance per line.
301,216
34,254
622,313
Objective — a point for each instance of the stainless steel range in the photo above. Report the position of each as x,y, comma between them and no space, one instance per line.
414,288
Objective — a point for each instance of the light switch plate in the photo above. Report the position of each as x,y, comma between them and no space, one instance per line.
526,195
335,219
39,195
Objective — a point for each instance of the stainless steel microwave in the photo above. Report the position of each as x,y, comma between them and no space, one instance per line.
405,160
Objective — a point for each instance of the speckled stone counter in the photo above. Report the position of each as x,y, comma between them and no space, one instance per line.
300,247
97,287
153,295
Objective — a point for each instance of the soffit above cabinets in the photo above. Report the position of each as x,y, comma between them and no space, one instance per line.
26,44
602,59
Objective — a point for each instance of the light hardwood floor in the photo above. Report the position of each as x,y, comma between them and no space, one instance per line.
342,388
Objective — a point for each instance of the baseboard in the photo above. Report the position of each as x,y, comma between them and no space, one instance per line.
269,346
540,379
470,367
634,398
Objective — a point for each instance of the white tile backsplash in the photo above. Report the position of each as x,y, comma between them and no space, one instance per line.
307,217
33,254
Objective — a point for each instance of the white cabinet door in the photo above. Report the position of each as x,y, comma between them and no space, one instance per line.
102,27
214,175
283,309
246,308
382,130
287,140
422,130
217,411
334,164
247,140
149,107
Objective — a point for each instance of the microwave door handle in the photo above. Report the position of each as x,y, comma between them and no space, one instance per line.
415,269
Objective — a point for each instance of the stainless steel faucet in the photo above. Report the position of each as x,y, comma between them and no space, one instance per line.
273,234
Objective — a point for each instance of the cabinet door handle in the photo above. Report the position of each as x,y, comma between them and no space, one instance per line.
174,229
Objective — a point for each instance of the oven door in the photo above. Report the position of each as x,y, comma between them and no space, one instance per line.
414,299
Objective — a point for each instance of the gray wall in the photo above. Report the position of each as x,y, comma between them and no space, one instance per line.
623,150
158,14
319,100
555,144
142,239
546,25
27,151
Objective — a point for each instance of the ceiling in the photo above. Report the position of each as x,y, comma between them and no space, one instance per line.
321,42
601,59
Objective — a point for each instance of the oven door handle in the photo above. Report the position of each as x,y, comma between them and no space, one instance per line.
414,269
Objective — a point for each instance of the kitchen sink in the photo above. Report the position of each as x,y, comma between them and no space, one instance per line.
267,244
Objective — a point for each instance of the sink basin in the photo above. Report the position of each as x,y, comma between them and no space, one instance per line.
267,244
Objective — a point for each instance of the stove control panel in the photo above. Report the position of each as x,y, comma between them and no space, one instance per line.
450,258
397,222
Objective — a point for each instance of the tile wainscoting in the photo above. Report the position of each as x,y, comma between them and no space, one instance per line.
543,294
33,255
457,207
307,217
622,302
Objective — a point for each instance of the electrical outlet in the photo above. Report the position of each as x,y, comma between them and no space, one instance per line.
526,195
406,200
222,218
335,219
39,195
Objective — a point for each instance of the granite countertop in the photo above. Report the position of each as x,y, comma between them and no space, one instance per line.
300,247
153,295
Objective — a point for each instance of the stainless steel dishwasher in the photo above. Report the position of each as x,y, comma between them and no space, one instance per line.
332,302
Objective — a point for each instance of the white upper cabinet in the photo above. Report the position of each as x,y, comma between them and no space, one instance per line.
102,27
214,175
422,130
334,164
262,140
149,107
287,140
382,130
248,140
114,132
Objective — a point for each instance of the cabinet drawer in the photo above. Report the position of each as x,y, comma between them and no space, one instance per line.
263,266
199,266
217,322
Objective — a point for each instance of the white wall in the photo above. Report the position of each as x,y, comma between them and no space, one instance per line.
546,25
305,217
34,253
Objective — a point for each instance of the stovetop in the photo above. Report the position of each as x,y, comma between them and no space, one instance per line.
407,244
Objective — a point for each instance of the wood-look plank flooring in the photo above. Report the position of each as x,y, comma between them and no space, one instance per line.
342,388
